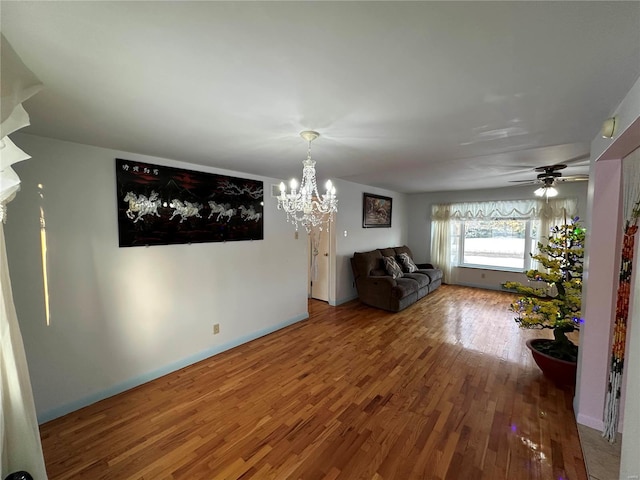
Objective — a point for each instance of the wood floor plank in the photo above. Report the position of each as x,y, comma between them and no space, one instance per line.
443,390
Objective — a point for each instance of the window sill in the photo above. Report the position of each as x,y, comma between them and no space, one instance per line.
493,269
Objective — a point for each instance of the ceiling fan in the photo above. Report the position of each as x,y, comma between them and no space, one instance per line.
549,176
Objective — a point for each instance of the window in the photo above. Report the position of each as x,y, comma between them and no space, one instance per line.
503,244
474,234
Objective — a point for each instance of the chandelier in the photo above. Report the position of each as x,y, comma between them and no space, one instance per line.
304,205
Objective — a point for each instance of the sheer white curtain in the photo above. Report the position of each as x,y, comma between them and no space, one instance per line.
441,241
20,447
555,212
443,217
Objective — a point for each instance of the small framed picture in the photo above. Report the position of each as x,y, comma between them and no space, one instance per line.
376,211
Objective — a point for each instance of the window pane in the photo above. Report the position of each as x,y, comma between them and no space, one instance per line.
495,243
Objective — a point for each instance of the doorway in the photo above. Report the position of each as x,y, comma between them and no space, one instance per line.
319,255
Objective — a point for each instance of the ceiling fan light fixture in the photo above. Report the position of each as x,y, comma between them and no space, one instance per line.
546,191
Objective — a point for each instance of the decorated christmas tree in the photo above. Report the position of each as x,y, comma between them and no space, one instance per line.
553,296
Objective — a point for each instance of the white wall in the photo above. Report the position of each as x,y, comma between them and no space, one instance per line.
602,269
359,239
627,114
121,316
420,224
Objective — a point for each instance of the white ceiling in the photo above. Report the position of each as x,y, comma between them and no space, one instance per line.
409,96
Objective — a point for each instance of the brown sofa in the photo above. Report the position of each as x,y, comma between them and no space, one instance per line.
377,288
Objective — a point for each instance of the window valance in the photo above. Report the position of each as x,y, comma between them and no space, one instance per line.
507,209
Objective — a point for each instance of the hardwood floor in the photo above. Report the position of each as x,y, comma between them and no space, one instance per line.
445,389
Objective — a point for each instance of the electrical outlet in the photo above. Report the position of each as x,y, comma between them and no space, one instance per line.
295,235
632,477
216,328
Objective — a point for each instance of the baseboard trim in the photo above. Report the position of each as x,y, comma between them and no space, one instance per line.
483,286
56,412
335,303
595,423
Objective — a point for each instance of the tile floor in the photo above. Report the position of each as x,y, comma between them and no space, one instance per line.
602,458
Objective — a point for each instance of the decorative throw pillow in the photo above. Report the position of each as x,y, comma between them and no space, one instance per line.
392,267
407,263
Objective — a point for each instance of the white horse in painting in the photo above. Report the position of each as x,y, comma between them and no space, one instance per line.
140,205
249,214
185,209
230,212
221,210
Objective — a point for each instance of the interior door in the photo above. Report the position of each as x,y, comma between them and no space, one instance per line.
320,264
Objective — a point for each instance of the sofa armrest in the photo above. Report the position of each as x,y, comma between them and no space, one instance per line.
377,291
425,266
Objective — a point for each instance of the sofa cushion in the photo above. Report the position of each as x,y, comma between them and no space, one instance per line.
403,249
407,264
392,267
434,274
423,280
387,252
